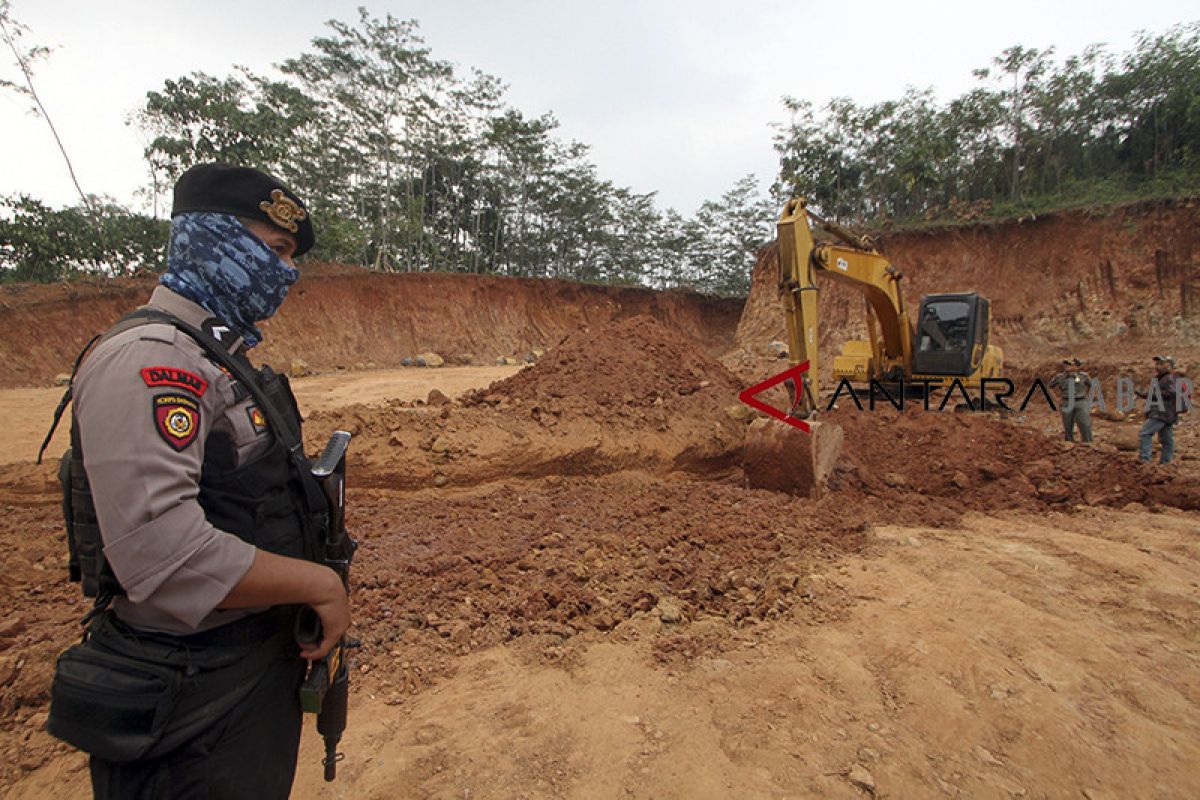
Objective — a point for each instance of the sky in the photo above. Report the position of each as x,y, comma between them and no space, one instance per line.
672,97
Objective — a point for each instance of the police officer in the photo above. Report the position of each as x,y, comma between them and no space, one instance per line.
201,519
1074,385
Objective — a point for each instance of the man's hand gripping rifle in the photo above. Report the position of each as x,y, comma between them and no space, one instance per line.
326,689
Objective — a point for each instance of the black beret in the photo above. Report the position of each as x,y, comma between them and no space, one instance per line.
244,192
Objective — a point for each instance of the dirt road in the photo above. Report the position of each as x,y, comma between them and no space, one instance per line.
28,411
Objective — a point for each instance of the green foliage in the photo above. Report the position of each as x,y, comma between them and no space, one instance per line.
1035,134
38,243
409,165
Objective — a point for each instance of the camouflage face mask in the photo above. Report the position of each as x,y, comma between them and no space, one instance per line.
217,263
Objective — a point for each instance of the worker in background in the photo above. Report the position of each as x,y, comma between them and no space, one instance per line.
1163,405
1074,386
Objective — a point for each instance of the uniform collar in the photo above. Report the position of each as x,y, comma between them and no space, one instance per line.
196,315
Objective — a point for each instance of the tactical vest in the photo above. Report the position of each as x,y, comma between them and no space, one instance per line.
272,501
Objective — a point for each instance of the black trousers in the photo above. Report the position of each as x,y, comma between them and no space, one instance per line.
250,754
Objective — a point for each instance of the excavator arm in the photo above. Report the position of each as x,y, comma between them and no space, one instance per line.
854,262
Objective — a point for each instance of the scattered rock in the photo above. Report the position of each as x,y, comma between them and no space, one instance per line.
867,754
299,368
740,412
991,472
420,361
462,360
62,379
500,361
440,480
436,398
777,349
440,445
12,625
987,757
860,777
8,669
430,360
407,362
460,632
529,358
960,480
669,610
509,361
895,480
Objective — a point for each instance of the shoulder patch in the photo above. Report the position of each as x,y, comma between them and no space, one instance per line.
177,419
258,420
176,378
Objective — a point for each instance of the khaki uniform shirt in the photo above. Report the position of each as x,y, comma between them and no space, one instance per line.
1076,381
146,402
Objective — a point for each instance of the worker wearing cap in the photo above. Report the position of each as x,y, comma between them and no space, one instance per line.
1074,386
1163,404
198,514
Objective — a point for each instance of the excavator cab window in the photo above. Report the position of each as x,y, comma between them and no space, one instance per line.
948,328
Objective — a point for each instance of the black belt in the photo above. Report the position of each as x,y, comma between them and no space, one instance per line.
252,630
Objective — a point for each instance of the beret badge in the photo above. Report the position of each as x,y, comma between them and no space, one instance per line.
283,211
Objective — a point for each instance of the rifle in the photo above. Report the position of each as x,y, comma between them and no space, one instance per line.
326,689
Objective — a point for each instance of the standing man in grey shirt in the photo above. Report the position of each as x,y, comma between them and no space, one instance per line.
207,541
1074,386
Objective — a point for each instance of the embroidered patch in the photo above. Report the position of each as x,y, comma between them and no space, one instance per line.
177,419
178,378
283,211
258,420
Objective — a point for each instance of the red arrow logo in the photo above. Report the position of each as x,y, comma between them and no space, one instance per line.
747,396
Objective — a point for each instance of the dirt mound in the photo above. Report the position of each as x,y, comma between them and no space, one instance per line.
629,394
629,361
935,466
339,316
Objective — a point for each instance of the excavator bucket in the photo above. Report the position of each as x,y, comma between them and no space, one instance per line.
786,459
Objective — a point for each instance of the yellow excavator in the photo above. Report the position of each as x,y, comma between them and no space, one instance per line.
947,343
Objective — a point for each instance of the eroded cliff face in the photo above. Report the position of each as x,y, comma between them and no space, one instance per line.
1123,280
1089,281
338,316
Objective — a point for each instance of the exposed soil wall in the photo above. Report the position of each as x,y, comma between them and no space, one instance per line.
340,316
1060,282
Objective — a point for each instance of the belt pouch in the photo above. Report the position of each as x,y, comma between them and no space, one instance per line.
110,706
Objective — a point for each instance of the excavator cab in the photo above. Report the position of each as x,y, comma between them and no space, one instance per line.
951,334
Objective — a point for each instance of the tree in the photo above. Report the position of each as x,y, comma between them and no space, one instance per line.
25,56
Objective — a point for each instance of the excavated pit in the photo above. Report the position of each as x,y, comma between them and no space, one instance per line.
605,480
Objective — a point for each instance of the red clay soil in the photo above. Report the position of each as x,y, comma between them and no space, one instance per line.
339,316
1081,281
446,570
632,361
932,467
628,394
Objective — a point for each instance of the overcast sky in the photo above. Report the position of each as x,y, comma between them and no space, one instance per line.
673,97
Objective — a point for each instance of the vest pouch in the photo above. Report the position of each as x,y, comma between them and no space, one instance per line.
113,707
